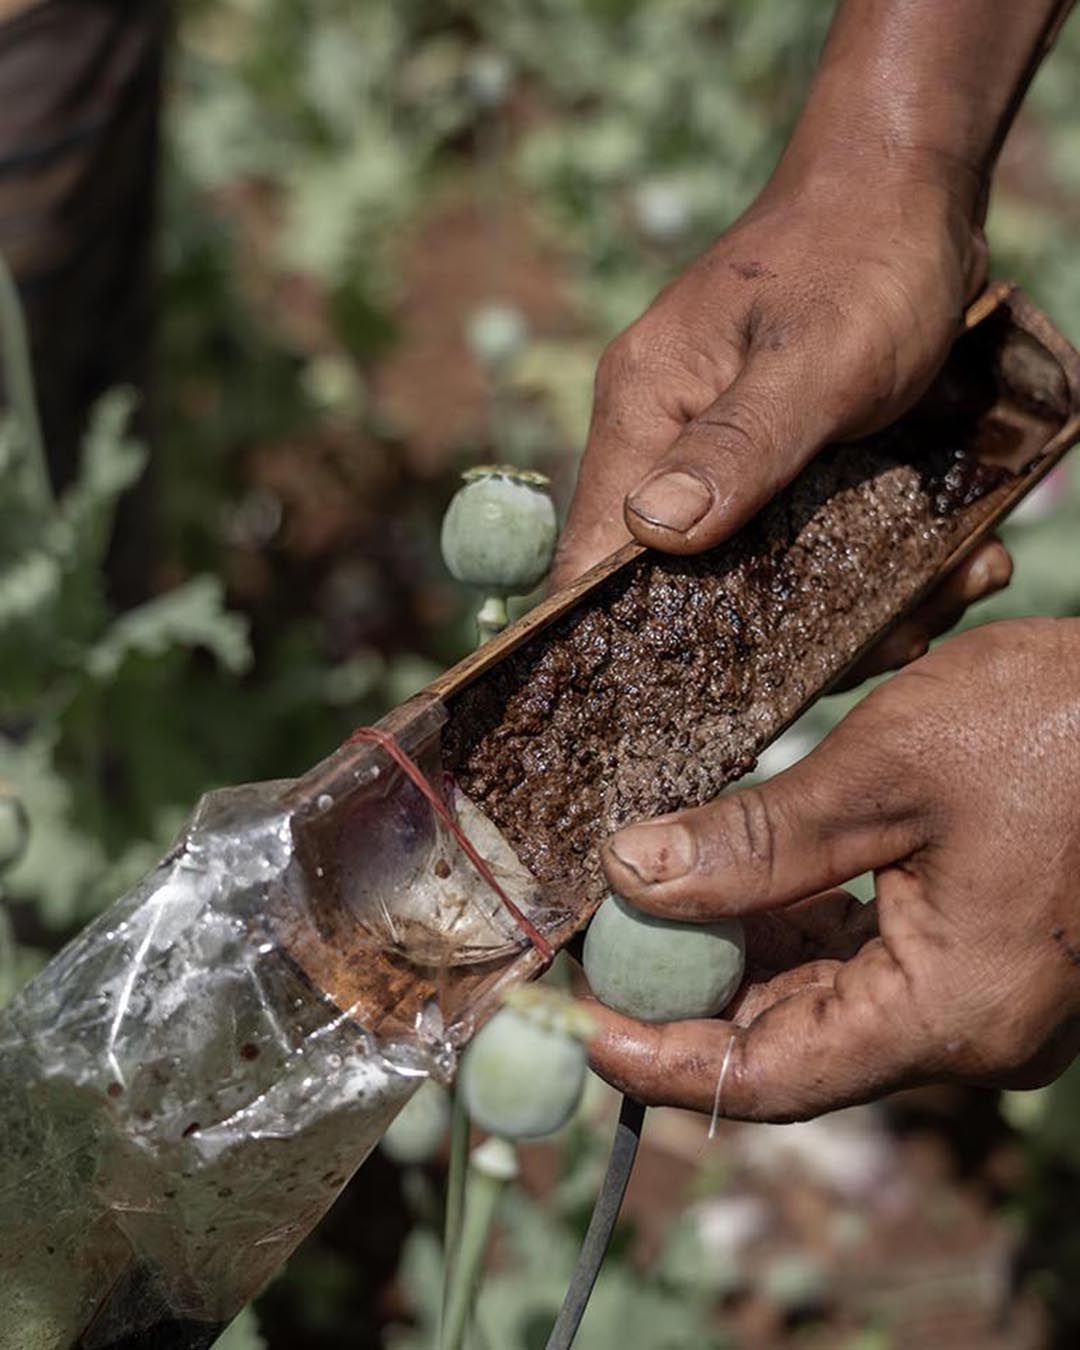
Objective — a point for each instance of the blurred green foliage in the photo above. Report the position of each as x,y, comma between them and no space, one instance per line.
673,1310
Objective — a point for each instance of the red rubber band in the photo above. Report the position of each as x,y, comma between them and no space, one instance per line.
418,778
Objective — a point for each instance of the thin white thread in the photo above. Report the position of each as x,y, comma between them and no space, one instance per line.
720,1085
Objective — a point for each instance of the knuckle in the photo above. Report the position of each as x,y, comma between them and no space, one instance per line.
869,994
757,835
739,429
656,1085
627,357
745,840
736,1095
773,1087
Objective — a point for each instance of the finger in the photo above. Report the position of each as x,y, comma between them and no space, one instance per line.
851,806
788,949
987,571
848,1036
803,944
640,405
832,926
731,459
595,527
758,995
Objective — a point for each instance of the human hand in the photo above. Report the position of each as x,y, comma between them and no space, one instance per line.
820,316
958,783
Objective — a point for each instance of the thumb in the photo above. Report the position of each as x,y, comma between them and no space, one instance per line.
733,458
846,808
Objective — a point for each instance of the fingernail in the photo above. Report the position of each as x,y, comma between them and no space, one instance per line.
655,853
676,501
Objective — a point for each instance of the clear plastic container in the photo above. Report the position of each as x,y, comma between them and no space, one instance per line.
187,1087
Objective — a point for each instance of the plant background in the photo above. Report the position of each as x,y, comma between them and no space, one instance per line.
395,236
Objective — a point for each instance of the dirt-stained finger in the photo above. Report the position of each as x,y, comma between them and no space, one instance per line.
830,926
849,1036
849,807
763,988
639,409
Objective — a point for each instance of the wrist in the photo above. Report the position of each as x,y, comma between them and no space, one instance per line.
848,155
920,91
909,204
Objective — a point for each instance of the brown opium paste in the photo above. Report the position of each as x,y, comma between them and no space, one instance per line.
653,682
667,680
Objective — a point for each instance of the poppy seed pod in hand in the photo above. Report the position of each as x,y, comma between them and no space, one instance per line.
661,970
